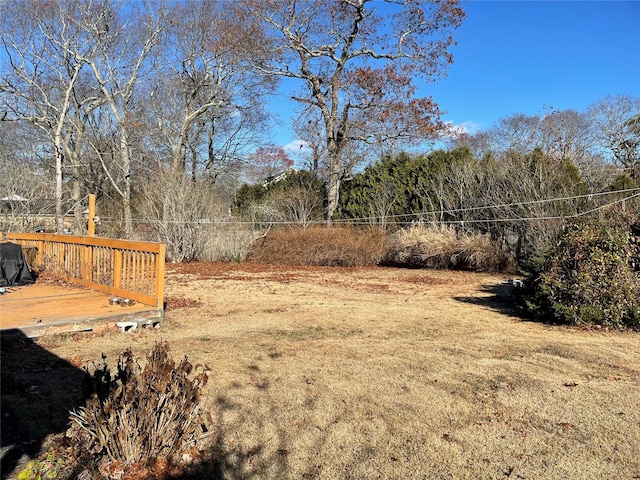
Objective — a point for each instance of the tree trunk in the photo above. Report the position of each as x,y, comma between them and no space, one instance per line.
79,226
334,150
333,189
59,158
180,159
126,167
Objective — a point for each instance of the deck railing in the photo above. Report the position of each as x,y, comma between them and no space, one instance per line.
121,268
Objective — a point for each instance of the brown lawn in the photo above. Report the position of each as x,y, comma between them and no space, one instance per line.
385,373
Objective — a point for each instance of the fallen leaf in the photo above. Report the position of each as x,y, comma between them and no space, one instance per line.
566,425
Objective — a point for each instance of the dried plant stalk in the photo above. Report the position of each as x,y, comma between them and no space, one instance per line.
141,414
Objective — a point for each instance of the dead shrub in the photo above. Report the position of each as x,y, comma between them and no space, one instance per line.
320,245
230,242
441,246
181,213
140,416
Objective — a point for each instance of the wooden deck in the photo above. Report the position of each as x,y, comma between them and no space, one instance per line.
94,270
122,268
44,308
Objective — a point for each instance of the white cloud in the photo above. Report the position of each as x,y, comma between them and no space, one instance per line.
295,146
468,127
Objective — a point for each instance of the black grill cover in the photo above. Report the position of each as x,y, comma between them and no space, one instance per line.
13,266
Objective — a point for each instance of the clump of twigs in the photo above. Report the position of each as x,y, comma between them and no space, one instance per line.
141,415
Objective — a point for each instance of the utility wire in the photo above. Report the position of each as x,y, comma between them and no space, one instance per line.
505,205
367,220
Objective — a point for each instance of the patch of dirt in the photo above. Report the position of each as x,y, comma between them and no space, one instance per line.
171,303
239,271
427,280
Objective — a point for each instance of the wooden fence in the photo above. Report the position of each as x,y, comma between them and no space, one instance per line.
122,268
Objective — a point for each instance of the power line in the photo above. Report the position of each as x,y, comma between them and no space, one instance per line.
549,217
368,220
505,205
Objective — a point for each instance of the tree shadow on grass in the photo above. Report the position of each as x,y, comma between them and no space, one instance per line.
508,306
37,390
235,463
265,450
225,458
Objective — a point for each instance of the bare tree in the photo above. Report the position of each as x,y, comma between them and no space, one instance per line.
517,133
209,88
616,121
180,213
380,201
480,144
357,59
24,196
519,198
308,128
298,200
560,134
124,39
46,50
565,134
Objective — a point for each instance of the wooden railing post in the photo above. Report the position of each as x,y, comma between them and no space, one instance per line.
160,259
87,263
91,225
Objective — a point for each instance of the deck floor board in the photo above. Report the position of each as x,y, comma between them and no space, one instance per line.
53,308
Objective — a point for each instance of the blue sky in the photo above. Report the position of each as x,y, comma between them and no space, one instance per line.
525,56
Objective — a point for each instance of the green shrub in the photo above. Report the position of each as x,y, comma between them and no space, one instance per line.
52,466
140,415
292,197
587,278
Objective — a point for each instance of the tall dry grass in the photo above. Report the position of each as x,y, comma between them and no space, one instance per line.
442,246
229,242
419,246
319,245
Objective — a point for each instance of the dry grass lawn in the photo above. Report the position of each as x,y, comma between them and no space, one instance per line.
394,374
